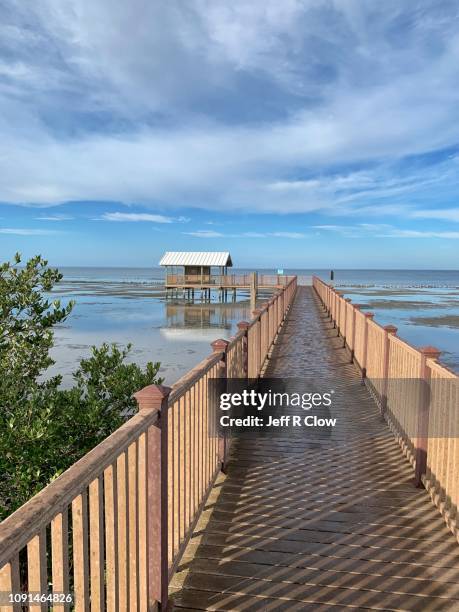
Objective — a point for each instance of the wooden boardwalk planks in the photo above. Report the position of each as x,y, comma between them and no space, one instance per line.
314,522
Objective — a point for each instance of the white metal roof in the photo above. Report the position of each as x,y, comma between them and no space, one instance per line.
196,258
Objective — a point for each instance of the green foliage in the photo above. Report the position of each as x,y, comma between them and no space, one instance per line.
44,429
27,319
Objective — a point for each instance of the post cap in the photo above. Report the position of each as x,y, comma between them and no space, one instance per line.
430,352
243,325
369,315
348,299
219,346
390,329
357,306
151,396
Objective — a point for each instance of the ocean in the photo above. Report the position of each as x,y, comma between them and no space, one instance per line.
128,305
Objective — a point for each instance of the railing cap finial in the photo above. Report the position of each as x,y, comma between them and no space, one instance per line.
430,352
151,396
243,325
390,329
219,346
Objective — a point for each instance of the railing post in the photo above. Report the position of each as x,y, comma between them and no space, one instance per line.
244,326
256,313
332,305
278,310
338,311
354,316
427,352
221,346
368,317
336,318
346,302
268,323
389,330
156,398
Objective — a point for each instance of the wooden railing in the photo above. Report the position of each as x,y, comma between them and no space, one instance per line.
228,280
114,526
424,415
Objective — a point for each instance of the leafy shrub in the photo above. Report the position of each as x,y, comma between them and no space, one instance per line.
44,429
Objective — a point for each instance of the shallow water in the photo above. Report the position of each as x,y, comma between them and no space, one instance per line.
176,333
409,308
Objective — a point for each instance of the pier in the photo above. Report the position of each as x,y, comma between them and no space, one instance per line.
192,275
168,513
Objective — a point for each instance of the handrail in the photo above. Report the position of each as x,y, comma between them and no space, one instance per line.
186,381
131,504
40,509
229,280
421,421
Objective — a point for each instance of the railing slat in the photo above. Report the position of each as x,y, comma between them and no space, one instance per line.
10,583
122,533
111,548
37,570
142,523
80,551
60,556
96,545
133,527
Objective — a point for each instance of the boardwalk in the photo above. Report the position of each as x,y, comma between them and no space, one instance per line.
319,522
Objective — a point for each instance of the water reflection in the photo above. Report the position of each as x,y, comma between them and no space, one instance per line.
202,322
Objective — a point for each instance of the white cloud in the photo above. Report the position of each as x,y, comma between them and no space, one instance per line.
205,234
26,232
56,218
159,107
292,235
141,217
448,214
214,234
384,230
406,233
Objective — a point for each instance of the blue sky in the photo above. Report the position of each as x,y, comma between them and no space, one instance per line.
295,134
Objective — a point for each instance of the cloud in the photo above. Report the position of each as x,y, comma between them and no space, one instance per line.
384,230
138,217
406,233
292,235
287,117
26,231
214,234
56,218
205,234
449,214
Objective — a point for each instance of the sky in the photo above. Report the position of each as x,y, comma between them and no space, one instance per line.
301,133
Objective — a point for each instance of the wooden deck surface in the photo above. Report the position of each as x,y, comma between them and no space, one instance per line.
319,522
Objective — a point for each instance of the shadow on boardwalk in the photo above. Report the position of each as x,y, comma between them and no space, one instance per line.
314,522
